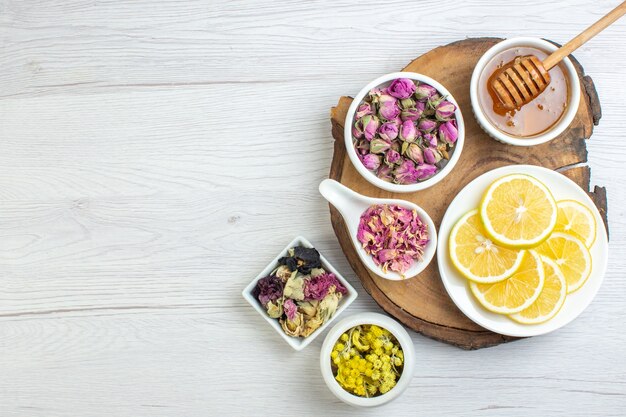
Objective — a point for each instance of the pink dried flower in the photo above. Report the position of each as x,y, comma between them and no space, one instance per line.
363,110
425,91
290,309
401,88
394,236
425,171
371,161
445,110
405,173
408,131
448,132
388,131
392,157
318,287
389,109
370,126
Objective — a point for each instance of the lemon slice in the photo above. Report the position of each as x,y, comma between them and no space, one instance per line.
476,256
551,298
516,293
518,211
576,219
572,257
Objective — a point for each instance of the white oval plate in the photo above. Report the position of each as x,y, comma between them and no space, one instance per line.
457,286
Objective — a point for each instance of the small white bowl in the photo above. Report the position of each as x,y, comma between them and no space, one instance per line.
383,81
561,125
385,322
298,343
352,205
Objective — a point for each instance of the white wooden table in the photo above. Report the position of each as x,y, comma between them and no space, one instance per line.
154,155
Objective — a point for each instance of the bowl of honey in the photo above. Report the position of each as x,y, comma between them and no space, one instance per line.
538,121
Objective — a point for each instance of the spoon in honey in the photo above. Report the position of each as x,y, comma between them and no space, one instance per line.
524,78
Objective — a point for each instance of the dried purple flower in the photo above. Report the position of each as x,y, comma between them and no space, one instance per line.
415,153
370,126
290,309
427,125
371,161
425,91
425,171
408,132
401,88
363,110
444,110
388,131
318,287
392,157
389,109
379,145
448,132
405,173
268,289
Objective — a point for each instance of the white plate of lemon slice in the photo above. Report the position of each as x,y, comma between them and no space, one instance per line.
522,250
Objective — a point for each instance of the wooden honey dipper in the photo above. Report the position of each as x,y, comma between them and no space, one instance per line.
520,81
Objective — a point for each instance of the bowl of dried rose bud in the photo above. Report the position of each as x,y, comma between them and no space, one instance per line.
404,132
367,360
299,293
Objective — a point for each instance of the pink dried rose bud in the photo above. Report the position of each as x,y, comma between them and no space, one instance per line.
431,156
406,173
407,103
357,129
370,126
379,145
388,131
408,131
362,147
401,88
427,125
429,140
371,161
425,171
415,153
363,110
392,157
384,173
425,91
413,113
389,110
448,132
444,110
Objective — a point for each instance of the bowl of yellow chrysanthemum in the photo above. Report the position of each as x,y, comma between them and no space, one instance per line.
367,359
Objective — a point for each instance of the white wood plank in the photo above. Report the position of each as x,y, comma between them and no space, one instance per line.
155,155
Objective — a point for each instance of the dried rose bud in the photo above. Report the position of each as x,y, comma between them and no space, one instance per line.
363,110
388,131
379,145
429,140
384,173
371,161
448,132
370,126
413,113
389,110
415,153
401,88
431,156
395,145
362,147
444,110
425,171
407,103
408,132
426,125
392,157
405,173
425,91
357,129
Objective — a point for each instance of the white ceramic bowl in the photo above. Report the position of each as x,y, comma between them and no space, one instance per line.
385,322
298,343
456,285
352,205
371,177
559,127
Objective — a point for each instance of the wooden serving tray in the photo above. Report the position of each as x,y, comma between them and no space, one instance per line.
422,303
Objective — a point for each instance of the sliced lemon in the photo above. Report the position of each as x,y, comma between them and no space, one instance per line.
516,293
476,256
575,218
572,257
551,298
518,211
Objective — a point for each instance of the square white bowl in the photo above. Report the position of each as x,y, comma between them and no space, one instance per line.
298,343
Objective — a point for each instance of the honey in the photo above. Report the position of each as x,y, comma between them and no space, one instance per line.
534,118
